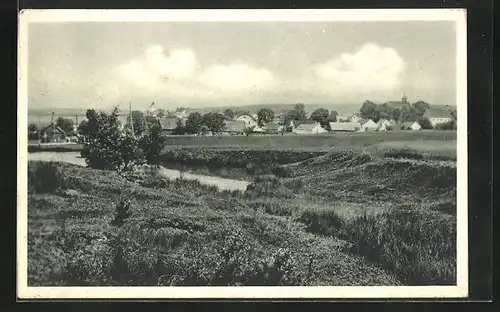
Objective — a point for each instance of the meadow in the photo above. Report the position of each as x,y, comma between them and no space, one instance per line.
339,218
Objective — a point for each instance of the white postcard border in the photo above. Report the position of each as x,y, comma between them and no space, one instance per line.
47,16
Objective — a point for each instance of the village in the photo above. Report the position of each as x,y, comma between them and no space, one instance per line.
264,122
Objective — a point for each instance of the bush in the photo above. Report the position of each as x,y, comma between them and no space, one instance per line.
451,125
122,212
106,146
45,177
425,123
417,245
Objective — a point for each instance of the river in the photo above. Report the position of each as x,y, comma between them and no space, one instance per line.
76,159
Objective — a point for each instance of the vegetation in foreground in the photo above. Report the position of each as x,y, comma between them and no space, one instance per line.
88,228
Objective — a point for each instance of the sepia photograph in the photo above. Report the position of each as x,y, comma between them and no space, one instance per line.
196,153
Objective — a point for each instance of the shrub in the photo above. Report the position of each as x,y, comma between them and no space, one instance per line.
425,123
45,177
417,245
122,212
106,146
404,153
450,125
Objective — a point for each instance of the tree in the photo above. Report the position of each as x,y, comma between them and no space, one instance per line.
425,123
369,110
229,113
298,113
152,143
160,113
33,132
179,129
214,122
265,115
139,123
420,107
332,117
194,123
65,124
106,147
320,115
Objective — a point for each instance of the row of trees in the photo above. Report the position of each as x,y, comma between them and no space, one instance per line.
375,112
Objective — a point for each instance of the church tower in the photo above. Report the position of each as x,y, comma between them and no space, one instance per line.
404,100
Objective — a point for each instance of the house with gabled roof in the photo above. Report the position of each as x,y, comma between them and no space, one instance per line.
368,125
248,119
168,124
271,128
438,115
344,126
309,128
411,125
53,133
235,127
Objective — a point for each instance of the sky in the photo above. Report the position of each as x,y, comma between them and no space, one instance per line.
204,64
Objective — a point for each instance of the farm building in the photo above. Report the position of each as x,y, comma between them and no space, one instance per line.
411,125
248,119
383,125
438,115
235,127
53,133
313,128
271,128
344,126
348,118
368,125
168,124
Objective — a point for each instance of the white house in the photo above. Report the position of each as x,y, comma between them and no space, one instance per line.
368,125
383,124
248,119
438,115
314,128
411,125
344,126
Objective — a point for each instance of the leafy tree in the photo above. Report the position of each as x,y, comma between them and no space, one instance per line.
265,115
332,117
229,113
179,129
139,123
320,115
194,123
425,123
160,113
214,122
450,125
419,108
369,110
106,147
248,130
152,144
396,114
298,113
33,132
65,124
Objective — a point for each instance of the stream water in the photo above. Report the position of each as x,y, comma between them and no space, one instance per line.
75,158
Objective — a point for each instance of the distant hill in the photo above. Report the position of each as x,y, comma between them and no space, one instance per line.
280,108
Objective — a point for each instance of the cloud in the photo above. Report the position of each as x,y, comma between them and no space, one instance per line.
372,68
237,77
179,73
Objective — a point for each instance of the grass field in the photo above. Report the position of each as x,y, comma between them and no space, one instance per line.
336,219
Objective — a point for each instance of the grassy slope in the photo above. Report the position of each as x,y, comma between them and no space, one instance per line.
200,237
